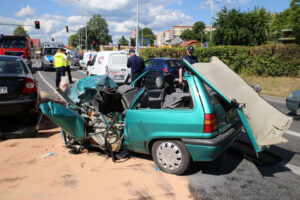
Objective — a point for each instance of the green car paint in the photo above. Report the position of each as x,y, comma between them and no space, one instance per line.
66,118
239,110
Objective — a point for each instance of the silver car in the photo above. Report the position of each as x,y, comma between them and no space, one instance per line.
293,102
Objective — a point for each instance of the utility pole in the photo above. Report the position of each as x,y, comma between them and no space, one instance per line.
86,39
137,27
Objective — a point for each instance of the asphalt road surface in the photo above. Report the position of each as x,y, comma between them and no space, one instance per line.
236,174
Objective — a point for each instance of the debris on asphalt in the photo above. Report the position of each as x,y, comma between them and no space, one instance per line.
157,169
48,155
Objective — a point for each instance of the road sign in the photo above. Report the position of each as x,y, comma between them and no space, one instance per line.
205,44
133,33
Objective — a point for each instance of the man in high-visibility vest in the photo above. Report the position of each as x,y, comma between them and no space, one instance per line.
68,68
60,62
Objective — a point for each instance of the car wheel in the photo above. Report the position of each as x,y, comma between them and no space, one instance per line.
171,156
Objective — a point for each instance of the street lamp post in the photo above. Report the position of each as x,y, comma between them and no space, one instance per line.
85,27
137,27
211,15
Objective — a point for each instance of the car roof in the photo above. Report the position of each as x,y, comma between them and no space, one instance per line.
163,59
12,57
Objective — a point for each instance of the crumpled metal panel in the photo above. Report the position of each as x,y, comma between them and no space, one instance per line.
65,118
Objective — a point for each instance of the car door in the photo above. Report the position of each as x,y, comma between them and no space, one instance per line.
143,125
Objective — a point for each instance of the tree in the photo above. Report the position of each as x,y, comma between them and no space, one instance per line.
19,30
132,41
147,33
198,29
234,27
188,35
295,18
98,31
73,40
123,41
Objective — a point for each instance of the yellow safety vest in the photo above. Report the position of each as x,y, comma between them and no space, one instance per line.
59,60
69,59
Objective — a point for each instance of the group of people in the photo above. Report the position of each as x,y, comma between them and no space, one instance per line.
62,63
137,65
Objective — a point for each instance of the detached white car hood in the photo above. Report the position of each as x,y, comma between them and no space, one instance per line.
268,124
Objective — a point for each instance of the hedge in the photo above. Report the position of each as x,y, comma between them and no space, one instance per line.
266,60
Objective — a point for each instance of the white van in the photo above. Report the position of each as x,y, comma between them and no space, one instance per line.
86,57
112,63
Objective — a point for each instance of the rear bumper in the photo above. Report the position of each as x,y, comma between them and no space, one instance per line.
210,149
18,107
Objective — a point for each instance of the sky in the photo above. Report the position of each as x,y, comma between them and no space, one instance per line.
159,15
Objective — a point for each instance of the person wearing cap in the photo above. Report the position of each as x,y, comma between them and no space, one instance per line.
137,65
190,58
68,68
60,62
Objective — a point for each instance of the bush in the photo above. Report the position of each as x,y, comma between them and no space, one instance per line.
266,60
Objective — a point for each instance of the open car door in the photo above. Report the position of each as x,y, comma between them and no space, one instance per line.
264,124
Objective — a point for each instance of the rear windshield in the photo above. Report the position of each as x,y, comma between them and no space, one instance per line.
50,51
12,43
118,59
10,66
173,63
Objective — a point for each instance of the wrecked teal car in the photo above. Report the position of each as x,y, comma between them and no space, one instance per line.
176,124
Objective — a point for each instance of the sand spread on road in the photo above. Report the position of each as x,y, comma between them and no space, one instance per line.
24,174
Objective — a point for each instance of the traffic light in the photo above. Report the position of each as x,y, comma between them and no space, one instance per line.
93,42
37,24
52,39
67,29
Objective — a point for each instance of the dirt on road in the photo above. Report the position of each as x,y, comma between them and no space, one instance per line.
26,173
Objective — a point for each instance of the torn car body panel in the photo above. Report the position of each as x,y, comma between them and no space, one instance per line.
264,124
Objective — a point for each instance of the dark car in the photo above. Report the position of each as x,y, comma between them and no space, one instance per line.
19,99
75,60
168,65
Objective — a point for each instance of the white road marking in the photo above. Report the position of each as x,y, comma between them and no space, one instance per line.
293,133
51,87
293,168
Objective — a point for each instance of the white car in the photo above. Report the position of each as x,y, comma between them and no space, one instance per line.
112,63
87,56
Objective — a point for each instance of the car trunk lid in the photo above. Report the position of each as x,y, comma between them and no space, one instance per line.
11,87
264,124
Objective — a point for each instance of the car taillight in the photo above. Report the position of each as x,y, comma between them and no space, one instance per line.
30,86
210,123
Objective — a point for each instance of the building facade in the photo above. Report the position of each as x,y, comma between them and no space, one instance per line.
177,30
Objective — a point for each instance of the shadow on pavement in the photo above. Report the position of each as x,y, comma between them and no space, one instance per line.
266,162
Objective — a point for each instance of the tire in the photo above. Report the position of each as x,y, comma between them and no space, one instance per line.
171,156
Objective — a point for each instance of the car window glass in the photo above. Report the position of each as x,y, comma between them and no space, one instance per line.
11,67
148,63
118,59
94,60
157,65
173,63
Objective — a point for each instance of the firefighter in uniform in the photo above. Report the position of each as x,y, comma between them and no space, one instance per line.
68,68
60,62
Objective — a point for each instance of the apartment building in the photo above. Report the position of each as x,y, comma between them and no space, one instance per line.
177,30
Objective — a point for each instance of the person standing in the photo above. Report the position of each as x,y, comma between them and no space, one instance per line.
137,65
68,68
190,58
60,62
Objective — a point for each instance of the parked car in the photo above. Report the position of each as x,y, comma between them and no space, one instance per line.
75,60
112,63
293,102
168,65
87,56
176,125
19,99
